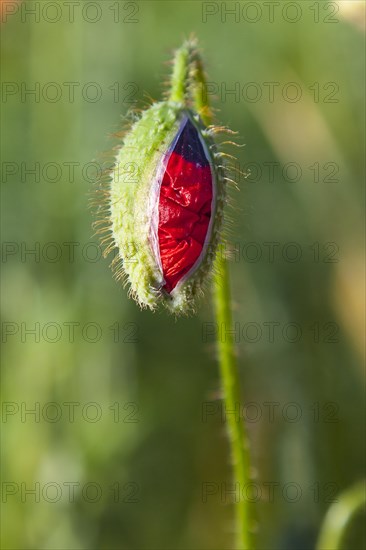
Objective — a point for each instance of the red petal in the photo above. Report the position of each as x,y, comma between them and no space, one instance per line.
184,205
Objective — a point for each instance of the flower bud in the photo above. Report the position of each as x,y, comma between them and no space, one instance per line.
166,195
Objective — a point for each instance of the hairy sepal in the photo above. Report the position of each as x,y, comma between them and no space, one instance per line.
134,194
130,198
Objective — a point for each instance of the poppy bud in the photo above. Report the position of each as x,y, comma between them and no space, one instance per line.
166,194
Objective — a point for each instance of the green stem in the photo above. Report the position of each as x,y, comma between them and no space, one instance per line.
188,85
179,78
199,89
188,82
339,515
231,386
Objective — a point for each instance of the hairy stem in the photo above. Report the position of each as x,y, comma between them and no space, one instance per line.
188,82
179,78
339,515
189,86
231,388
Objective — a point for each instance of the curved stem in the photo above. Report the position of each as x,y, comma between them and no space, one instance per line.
189,86
188,82
339,515
199,90
179,78
231,388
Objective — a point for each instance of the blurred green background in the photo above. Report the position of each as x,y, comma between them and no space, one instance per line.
126,448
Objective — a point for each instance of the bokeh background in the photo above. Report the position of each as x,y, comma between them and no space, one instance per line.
126,448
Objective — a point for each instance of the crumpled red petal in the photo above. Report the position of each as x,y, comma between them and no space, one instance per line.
185,204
